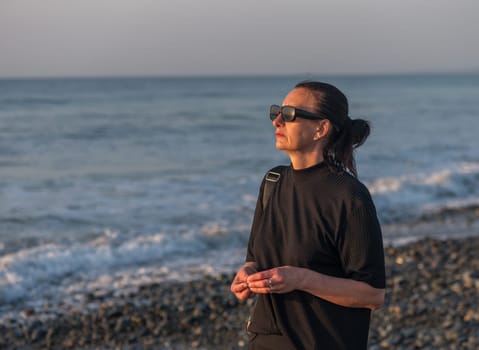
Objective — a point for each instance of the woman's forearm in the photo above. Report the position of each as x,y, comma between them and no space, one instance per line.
341,291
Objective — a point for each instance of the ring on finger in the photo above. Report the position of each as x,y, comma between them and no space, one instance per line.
270,284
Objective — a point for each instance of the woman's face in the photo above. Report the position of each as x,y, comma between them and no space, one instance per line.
299,135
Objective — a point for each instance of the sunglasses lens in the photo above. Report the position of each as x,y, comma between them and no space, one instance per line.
274,110
288,113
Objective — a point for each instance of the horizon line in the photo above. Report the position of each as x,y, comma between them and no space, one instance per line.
241,75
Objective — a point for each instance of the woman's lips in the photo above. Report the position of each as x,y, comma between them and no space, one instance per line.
278,134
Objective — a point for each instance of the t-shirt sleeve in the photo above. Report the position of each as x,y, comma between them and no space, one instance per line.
360,243
254,227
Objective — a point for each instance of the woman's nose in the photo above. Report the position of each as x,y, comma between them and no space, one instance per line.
278,121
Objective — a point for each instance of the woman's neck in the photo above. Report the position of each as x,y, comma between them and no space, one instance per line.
303,161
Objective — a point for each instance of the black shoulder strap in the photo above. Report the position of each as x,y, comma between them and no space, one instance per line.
271,178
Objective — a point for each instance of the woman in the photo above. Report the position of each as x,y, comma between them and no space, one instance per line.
315,256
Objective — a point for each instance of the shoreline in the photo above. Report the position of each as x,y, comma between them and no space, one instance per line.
448,223
431,302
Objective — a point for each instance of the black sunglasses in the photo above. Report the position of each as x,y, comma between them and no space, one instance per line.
290,113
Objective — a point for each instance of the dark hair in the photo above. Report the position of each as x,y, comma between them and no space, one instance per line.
347,134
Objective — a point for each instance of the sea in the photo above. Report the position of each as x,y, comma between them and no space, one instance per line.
107,184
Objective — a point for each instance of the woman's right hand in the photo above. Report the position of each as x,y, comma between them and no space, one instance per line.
239,286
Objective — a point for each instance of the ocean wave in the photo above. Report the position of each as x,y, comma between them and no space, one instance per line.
50,270
457,174
409,195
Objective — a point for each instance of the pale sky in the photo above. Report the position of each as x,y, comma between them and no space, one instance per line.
50,38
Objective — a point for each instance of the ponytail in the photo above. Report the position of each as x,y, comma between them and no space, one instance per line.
338,152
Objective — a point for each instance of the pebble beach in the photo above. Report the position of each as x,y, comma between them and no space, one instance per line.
431,303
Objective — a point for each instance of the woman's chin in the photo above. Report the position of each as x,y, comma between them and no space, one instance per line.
280,144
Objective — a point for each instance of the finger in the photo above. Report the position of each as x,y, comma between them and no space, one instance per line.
262,286
239,287
260,290
263,275
271,285
244,295
239,280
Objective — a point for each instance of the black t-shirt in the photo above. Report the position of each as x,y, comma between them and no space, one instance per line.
324,221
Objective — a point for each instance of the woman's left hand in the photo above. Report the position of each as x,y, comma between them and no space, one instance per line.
283,279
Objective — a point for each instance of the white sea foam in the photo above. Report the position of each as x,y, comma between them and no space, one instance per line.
413,194
439,178
456,204
111,261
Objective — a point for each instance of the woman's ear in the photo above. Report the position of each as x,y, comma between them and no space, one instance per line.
322,129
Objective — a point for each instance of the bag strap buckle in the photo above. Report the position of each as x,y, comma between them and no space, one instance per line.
272,176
